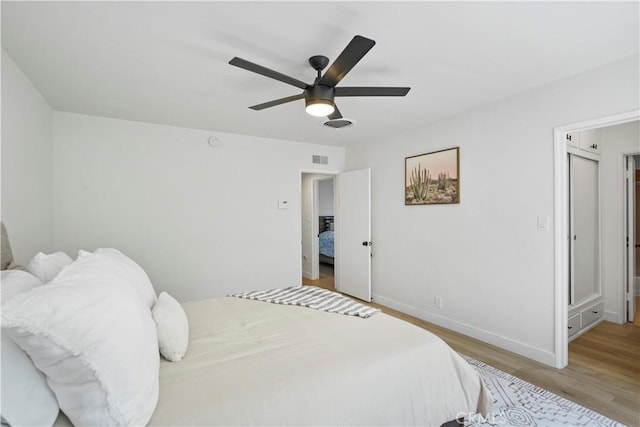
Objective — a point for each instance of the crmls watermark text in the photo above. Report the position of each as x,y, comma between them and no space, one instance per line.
469,418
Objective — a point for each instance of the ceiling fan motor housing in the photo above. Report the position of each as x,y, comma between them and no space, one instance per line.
319,94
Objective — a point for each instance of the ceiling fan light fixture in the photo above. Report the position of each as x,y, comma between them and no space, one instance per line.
320,107
320,94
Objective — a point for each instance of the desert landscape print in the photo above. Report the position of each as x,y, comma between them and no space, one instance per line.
432,178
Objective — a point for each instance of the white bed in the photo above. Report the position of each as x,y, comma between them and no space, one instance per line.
256,363
252,362
247,362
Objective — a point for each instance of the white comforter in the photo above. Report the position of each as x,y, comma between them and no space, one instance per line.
256,363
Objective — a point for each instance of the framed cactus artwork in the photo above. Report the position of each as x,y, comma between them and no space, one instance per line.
432,178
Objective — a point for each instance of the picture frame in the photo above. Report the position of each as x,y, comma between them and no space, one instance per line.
432,178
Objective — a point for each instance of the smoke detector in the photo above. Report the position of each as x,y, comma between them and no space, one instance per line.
340,123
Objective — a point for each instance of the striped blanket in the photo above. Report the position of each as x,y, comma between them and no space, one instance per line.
311,297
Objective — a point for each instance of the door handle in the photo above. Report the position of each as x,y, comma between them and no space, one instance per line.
366,243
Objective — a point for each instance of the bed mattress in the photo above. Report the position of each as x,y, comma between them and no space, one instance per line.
257,363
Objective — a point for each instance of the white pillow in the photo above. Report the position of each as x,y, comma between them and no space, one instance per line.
47,266
172,326
95,340
17,281
140,279
26,400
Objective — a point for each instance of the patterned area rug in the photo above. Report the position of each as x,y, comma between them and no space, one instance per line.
519,403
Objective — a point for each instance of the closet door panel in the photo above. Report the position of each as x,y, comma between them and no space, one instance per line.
584,230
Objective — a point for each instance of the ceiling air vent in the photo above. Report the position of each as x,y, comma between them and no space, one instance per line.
338,123
320,160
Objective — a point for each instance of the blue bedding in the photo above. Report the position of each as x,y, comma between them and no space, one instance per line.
326,243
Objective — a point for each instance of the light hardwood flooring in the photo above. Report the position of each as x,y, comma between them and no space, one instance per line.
603,372
325,280
636,321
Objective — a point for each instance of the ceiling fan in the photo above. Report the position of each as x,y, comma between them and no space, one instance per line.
319,96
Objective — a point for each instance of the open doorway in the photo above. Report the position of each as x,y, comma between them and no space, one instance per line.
617,138
318,238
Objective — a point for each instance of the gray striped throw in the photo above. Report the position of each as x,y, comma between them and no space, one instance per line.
311,297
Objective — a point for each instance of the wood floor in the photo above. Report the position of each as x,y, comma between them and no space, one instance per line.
603,372
326,278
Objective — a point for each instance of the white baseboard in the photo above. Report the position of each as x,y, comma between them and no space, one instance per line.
611,316
306,275
518,347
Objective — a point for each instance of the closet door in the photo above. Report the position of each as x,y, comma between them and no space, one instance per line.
584,202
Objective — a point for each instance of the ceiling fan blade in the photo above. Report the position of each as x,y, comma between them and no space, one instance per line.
250,66
277,102
355,50
371,91
336,114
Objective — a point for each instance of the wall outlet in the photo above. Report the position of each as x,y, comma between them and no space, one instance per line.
438,302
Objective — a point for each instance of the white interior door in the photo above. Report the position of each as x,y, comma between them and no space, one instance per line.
353,234
631,238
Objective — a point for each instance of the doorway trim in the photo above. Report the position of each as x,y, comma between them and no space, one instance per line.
630,248
328,173
561,229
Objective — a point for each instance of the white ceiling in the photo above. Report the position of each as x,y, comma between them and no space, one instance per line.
167,62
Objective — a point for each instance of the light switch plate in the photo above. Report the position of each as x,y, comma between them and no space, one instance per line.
543,223
283,204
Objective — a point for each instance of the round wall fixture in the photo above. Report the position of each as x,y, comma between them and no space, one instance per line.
213,141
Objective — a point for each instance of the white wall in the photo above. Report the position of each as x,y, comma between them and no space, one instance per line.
616,142
325,197
202,221
27,189
485,256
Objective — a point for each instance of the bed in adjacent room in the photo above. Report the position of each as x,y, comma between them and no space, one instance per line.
326,239
244,362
